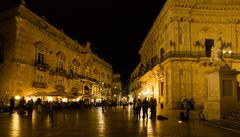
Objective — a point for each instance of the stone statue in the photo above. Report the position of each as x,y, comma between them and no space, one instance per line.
217,53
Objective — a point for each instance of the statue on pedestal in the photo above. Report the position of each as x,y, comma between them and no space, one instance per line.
217,53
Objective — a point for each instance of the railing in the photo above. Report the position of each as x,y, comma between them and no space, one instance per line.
41,66
72,75
61,71
74,90
178,54
87,78
59,87
39,84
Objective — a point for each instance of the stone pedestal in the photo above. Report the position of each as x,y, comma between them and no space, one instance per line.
222,93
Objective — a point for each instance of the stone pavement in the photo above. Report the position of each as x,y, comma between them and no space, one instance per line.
93,123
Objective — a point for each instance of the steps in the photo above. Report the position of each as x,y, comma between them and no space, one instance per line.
230,122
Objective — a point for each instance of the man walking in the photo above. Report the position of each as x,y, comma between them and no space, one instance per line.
12,104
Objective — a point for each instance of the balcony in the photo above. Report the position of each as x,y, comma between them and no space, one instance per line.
72,75
178,54
61,71
182,54
41,66
59,87
83,77
74,90
39,85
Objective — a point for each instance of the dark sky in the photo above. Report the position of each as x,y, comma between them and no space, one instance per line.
115,28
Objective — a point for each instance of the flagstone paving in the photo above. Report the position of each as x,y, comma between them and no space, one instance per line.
93,123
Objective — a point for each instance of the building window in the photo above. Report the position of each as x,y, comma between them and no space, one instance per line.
60,64
40,78
180,38
103,75
74,84
75,69
60,82
209,43
40,58
161,88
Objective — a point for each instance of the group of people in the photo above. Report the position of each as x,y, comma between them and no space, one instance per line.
187,105
138,104
22,107
108,103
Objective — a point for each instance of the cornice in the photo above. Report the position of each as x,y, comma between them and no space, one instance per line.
162,20
25,16
205,6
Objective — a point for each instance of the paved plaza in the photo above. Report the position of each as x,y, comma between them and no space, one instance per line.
93,123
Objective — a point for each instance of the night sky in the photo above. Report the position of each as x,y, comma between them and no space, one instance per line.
115,28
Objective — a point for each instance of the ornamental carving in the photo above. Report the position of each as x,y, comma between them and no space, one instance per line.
217,53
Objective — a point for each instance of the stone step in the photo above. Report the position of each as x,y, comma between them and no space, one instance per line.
226,124
232,118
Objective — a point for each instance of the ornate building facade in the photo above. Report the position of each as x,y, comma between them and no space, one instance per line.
37,59
176,53
117,87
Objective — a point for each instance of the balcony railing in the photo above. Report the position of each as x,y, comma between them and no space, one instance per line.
41,66
74,90
39,84
59,87
72,75
179,54
87,78
61,71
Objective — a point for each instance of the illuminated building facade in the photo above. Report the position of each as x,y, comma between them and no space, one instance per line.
176,53
37,59
117,86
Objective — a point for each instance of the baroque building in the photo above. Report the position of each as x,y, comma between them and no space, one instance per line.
117,87
176,54
38,60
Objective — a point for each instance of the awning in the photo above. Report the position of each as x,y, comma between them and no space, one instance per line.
57,93
38,94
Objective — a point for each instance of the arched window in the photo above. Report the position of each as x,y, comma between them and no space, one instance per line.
60,60
76,65
41,51
103,75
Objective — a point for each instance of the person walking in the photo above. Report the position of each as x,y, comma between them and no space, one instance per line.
30,105
21,106
145,108
187,107
103,103
138,108
124,103
153,105
12,104
39,105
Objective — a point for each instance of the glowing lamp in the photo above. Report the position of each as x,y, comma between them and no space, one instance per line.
17,97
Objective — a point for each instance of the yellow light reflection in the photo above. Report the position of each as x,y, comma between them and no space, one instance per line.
101,121
15,125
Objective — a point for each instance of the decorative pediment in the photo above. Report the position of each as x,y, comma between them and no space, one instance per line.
40,46
76,62
215,29
61,56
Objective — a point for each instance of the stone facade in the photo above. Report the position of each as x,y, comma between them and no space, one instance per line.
176,53
117,87
36,58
